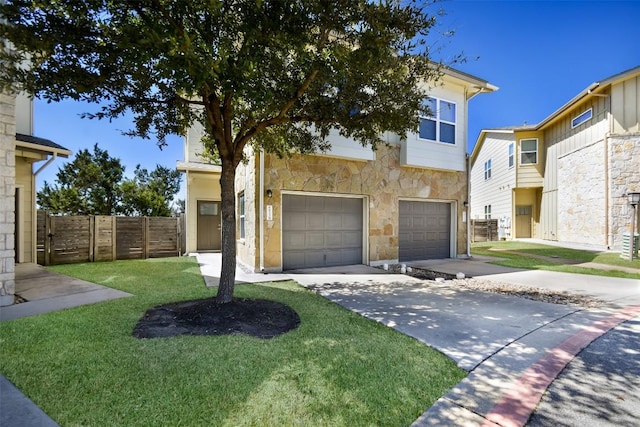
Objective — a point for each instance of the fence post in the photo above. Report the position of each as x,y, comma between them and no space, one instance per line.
92,238
114,251
145,225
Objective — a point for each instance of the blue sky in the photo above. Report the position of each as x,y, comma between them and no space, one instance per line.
539,53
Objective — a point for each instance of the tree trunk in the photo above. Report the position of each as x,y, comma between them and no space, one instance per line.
228,209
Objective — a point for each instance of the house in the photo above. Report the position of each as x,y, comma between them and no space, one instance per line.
565,179
351,205
20,153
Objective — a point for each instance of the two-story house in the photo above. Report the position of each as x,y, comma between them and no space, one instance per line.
565,179
20,154
350,205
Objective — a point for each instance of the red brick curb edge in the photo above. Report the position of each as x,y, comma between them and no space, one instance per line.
516,405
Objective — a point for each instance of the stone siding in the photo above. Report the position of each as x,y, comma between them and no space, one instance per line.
7,198
247,182
624,176
383,182
582,216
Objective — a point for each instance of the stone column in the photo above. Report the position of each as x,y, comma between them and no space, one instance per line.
7,198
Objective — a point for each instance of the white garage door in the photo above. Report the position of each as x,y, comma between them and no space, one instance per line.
424,231
321,231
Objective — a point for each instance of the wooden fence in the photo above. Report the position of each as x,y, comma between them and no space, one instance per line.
484,230
72,239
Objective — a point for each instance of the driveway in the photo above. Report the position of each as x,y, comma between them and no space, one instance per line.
513,348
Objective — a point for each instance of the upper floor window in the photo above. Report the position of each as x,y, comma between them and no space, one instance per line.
487,212
511,155
529,151
582,118
440,125
241,217
487,169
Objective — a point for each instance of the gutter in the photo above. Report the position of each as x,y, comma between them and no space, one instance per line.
468,207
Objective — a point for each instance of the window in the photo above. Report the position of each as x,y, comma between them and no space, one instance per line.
440,126
241,215
528,151
511,155
487,212
487,169
582,118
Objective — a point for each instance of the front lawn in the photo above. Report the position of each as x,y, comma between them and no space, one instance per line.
515,254
83,367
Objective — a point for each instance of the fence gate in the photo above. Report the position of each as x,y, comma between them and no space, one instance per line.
69,239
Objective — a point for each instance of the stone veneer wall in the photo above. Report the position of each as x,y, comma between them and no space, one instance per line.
7,198
582,216
383,181
624,176
246,180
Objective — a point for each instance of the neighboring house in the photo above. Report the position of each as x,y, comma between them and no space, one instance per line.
565,179
350,205
19,153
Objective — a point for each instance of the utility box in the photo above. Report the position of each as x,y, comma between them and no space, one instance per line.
626,244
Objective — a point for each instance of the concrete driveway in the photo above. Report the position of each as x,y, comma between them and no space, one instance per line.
513,348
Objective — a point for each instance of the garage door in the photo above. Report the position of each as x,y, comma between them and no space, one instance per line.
321,231
424,230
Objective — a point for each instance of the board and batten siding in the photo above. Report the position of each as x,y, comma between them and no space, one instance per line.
496,191
560,139
625,106
25,185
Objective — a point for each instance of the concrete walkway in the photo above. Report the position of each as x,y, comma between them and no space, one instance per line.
46,291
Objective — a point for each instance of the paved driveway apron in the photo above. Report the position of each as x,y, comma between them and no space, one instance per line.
513,348
468,326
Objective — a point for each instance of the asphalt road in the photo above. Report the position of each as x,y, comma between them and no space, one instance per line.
600,387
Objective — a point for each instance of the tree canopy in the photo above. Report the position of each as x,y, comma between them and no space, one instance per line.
88,185
275,75
94,184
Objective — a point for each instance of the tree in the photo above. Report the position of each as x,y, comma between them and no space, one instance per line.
268,74
89,185
150,194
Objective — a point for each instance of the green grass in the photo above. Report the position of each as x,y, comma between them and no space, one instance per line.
83,367
521,261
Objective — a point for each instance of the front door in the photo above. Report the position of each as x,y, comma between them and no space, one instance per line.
209,234
523,221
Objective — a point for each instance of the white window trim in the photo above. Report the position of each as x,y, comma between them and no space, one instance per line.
487,170
521,152
436,118
588,112
242,225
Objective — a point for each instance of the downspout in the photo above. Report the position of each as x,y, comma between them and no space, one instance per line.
261,213
34,214
468,206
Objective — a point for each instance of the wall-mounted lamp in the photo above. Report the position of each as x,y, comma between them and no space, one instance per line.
465,204
634,198
269,193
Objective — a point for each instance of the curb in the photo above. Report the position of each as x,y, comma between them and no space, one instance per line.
516,405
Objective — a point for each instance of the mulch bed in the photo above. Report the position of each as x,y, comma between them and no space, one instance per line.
255,317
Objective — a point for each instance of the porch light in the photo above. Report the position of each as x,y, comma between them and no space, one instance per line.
634,199
270,193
